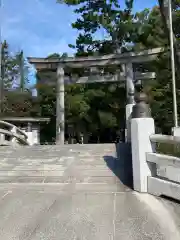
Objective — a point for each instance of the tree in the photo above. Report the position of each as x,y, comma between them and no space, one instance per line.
23,70
101,15
164,15
148,30
20,104
14,69
9,68
57,55
161,89
127,31
16,100
93,108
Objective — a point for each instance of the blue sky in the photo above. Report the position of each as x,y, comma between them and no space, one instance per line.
42,27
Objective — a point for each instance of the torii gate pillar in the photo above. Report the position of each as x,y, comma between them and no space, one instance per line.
130,91
60,125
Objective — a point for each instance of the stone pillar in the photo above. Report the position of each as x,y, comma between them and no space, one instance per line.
130,89
14,139
60,106
2,138
36,133
176,131
29,134
130,98
142,127
29,127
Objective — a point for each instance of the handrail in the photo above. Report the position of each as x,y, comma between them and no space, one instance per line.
16,135
11,125
159,138
163,159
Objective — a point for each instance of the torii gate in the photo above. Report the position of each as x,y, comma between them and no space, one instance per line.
127,75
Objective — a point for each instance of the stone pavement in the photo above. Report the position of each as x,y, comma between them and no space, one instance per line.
76,192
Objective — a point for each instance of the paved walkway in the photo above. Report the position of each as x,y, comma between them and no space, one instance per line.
81,199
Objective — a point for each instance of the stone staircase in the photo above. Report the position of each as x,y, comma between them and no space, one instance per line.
94,164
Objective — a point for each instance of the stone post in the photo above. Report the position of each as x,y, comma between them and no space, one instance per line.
30,134
141,109
13,139
2,138
142,126
60,106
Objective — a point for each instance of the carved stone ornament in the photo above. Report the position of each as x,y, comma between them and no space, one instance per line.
141,109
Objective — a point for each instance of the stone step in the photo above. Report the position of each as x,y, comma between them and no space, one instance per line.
57,173
64,161
58,158
60,150
69,147
58,164
60,179
43,158
99,187
49,167
76,188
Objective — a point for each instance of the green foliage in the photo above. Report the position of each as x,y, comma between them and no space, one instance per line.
88,108
19,104
14,69
16,100
9,69
23,71
161,89
101,15
148,30
93,108
126,31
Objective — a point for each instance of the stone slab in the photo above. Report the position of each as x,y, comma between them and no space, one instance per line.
100,187
31,173
158,187
36,215
80,179
169,172
133,220
36,212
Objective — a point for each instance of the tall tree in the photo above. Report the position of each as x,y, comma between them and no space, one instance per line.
14,69
23,70
9,69
15,101
101,15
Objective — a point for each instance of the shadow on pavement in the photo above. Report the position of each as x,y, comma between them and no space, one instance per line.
121,165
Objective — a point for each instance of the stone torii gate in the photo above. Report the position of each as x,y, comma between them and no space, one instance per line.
126,75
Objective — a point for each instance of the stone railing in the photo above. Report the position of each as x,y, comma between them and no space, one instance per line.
153,172
11,135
